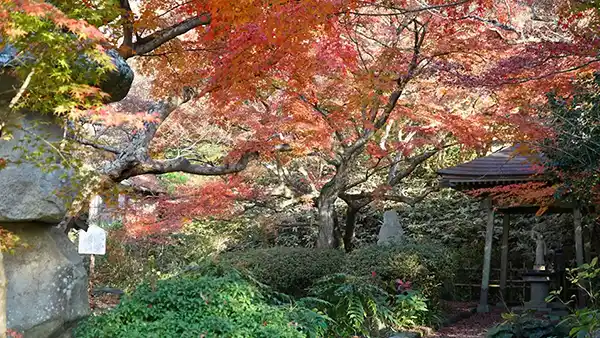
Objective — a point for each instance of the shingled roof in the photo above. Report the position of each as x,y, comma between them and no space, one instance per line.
502,167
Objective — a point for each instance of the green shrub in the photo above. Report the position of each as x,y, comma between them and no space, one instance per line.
359,306
584,322
525,326
287,270
410,309
355,304
426,266
195,305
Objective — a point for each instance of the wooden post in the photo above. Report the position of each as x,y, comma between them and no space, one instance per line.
92,272
487,258
579,249
504,257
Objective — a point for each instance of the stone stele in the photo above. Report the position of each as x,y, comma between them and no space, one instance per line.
391,229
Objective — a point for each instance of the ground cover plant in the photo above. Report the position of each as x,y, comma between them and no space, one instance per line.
217,303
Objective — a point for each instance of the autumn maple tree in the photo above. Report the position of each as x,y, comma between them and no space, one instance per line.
343,81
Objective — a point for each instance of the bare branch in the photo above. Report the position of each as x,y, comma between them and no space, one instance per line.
419,38
185,166
360,200
92,144
403,11
412,201
414,162
24,86
493,23
157,39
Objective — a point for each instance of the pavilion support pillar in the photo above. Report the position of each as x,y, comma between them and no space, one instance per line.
504,257
579,249
487,258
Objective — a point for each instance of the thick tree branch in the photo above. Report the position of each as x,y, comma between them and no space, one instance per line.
127,18
16,98
396,11
356,201
412,201
157,39
394,177
185,166
493,22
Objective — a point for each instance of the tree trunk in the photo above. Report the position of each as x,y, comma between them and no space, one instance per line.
327,221
351,215
337,230
328,227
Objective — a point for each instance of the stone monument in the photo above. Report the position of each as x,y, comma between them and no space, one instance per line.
391,229
46,283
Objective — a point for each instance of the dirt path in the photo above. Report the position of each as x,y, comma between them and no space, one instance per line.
473,327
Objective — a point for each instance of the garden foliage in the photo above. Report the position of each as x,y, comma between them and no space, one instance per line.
288,270
526,326
217,303
585,321
294,270
427,266
356,305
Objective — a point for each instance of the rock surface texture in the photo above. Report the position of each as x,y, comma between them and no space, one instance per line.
29,192
46,282
391,230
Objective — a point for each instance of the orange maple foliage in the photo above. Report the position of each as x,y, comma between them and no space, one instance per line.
319,75
539,194
328,77
46,10
166,214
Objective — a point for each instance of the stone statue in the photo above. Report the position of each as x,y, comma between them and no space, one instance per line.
540,248
540,252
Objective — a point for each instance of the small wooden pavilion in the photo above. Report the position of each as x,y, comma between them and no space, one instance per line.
505,167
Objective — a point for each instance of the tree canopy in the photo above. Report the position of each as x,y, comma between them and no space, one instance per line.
352,95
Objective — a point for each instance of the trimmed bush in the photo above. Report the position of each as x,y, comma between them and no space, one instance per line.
294,270
287,270
426,266
196,305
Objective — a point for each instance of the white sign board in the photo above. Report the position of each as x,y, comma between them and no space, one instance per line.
92,241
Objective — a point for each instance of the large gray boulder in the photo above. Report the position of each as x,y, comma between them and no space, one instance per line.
31,186
46,283
116,83
34,187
